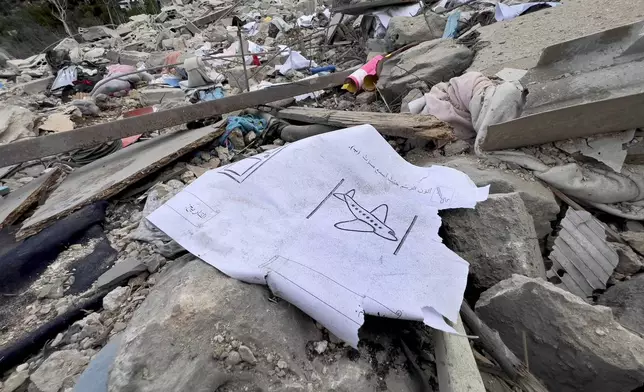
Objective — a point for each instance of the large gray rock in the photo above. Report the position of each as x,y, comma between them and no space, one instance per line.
60,369
497,238
404,30
625,298
538,199
572,346
431,62
15,123
195,317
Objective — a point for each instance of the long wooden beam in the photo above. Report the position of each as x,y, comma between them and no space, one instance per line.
417,126
39,147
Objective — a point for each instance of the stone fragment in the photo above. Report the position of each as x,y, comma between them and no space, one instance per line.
59,370
87,107
634,226
366,97
94,33
497,238
53,290
15,381
57,122
94,377
634,239
15,123
321,346
153,263
113,300
246,354
133,57
233,358
236,137
456,148
224,155
410,96
538,199
630,262
249,137
404,30
189,307
572,346
120,272
625,298
431,62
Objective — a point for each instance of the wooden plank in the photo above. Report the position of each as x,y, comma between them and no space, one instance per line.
361,7
393,124
609,115
14,205
111,174
34,148
455,363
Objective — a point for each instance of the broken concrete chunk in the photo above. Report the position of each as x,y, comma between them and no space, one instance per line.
120,272
57,122
94,33
133,57
115,298
630,262
154,96
625,298
572,346
497,238
430,62
634,239
15,123
59,370
538,199
404,30
15,381
192,303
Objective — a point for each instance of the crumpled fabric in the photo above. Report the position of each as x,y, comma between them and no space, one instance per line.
458,101
246,124
120,84
472,102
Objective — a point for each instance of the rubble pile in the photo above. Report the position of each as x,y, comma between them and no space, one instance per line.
102,129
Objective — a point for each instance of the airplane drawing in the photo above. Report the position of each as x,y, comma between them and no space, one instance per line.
365,221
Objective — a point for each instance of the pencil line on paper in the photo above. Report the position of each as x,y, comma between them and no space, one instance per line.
316,297
413,221
325,199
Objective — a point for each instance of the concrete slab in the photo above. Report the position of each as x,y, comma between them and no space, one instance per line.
518,43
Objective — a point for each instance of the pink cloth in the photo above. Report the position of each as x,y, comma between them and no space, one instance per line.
450,102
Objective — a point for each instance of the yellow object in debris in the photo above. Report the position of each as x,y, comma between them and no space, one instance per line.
350,86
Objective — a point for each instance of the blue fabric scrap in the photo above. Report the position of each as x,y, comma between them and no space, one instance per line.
246,124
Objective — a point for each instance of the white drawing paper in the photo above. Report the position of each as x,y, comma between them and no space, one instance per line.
337,224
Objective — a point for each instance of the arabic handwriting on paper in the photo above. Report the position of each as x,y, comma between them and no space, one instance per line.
194,211
387,176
